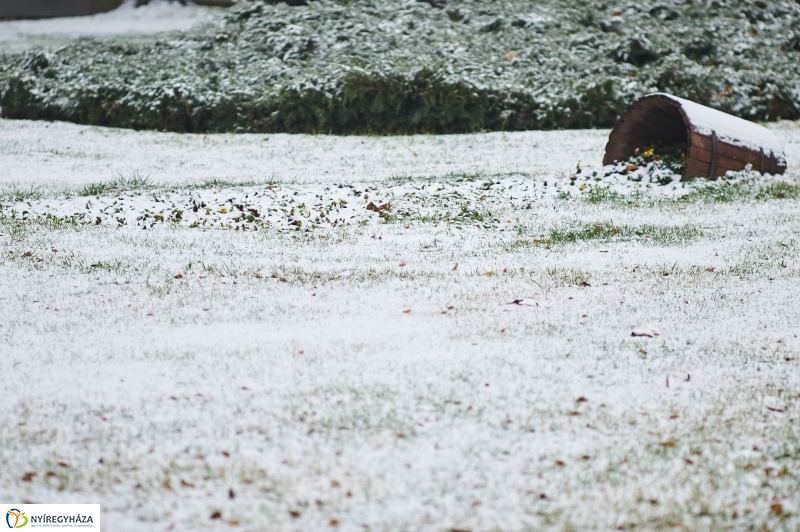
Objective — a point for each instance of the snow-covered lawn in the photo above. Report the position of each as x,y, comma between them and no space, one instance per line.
477,357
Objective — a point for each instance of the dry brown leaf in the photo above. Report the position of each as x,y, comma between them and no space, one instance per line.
378,208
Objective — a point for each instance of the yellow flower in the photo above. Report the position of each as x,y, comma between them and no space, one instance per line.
648,153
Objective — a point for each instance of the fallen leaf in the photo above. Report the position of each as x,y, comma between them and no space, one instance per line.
709,269
584,283
63,464
510,56
294,513
28,477
407,311
668,444
378,208
186,484
335,522
560,463
455,267
335,484
631,167
582,399
776,508
179,276
216,515
402,264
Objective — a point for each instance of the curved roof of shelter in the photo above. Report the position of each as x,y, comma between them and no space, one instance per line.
729,129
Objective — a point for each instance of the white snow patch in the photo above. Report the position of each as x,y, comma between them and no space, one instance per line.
156,18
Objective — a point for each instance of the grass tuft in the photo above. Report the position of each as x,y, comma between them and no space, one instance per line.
134,181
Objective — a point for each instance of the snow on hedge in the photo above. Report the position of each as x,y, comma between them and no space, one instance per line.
410,66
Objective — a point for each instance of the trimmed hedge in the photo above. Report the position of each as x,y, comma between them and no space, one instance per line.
406,66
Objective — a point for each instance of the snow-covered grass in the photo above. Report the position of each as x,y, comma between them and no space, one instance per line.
573,360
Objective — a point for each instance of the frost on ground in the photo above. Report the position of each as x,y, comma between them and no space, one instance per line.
570,360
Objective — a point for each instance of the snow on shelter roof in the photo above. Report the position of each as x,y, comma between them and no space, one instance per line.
729,128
